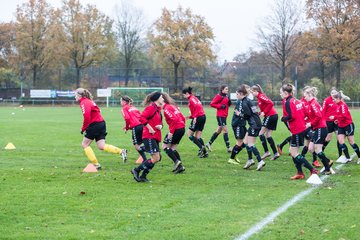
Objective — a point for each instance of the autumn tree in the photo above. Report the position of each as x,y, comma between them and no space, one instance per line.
89,38
279,34
337,36
32,24
130,28
181,37
7,40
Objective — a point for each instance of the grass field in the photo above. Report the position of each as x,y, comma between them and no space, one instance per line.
42,179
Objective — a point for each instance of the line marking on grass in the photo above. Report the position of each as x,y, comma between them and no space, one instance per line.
271,217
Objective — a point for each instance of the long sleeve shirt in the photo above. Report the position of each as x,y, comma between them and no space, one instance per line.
91,113
266,105
152,116
294,115
221,103
195,106
131,116
173,117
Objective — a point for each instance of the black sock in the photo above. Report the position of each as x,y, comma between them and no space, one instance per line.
177,154
171,154
213,137
302,160
145,165
256,152
297,165
196,141
314,156
325,161
249,152
236,149
201,141
272,144
142,153
339,148
286,141
304,151
356,149
226,140
345,150
263,142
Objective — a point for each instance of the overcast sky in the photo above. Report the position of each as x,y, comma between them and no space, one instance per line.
233,22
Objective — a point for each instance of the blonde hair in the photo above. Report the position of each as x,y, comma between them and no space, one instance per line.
257,88
313,91
82,92
168,99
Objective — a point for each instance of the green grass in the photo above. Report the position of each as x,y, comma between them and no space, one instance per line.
42,179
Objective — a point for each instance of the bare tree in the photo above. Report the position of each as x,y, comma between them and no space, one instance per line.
280,33
130,28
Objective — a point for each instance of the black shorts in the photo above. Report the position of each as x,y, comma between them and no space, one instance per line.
348,130
221,121
136,134
96,130
297,140
239,132
151,145
176,138
252,132
308,133
331,126
199,125
319,135
270,122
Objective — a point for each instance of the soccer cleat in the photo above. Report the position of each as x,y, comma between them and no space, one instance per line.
232,161
208,146
199,152
124,155
314,171
260,165
316,164
358,161
97,166
299,175
143,179
180,169
136,175
176,165
276,156
267,154
248,164
348,160
229,149
204,155
279,149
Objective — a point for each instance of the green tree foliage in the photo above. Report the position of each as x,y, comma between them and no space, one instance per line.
181,37
89,39
8,78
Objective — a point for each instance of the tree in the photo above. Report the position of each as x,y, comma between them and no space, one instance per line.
181,37
130,28
89,38
279,36
338,31
7,38
32,24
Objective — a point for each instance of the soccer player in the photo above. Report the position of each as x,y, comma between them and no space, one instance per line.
198,119
329,109
94,127
151,118
317,123
269,124
132,118
346,126
221,103
176,122
293,114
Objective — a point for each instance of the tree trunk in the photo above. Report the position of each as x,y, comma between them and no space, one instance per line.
127,71
283,71
34,76
338,73
78,77
322,72
176,68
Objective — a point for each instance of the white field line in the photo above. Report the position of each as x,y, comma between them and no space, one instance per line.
271,217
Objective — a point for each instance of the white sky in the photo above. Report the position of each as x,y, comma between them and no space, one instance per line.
233,22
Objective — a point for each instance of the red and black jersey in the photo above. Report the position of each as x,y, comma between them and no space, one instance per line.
173,117
221,102
306,108
293,114
315,115
195,106
152,116
91,113
266,105
329,108
131,116
343,115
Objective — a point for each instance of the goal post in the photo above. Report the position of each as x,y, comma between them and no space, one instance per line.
137,94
